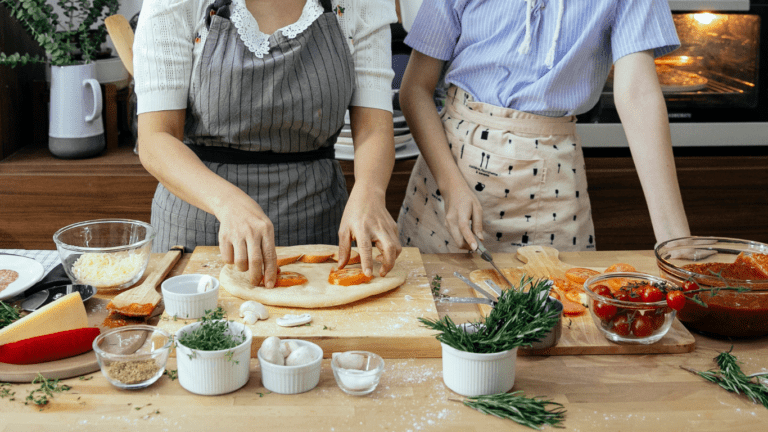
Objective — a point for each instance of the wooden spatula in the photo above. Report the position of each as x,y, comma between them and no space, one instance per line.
142,300
121,33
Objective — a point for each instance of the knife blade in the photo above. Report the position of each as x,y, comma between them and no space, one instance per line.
477,300
475,287
485,255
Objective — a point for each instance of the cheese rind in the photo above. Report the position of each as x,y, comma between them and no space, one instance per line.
66,313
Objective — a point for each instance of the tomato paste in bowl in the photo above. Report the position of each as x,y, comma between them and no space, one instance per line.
728,276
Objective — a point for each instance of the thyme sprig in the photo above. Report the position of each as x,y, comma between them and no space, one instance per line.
731,378
8,314
712,290
48,387
532,412
518,319
435,287
212,334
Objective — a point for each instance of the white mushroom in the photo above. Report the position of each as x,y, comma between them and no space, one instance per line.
294,320
205,284
252,311
349,360
300,356
270,351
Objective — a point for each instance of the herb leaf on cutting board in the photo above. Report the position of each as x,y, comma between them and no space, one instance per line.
521,316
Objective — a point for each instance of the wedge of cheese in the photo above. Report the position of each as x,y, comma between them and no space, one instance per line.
66,313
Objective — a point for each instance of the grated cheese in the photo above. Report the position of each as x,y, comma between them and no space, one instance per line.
108,269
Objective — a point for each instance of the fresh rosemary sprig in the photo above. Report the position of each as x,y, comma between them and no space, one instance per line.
212,334
531,412
8,314
731,378
518,319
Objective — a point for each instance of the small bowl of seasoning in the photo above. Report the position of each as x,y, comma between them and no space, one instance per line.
357,372
189,296
133,357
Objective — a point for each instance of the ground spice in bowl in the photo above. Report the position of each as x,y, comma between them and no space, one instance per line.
133,371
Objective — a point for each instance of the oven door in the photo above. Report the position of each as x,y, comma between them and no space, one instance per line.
715,85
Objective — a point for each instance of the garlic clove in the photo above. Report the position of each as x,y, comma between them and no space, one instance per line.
301,356
294,320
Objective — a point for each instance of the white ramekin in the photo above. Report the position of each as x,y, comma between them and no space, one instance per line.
472,374
182,299
292,379
214,372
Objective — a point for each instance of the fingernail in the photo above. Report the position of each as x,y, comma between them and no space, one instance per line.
474,246
368,272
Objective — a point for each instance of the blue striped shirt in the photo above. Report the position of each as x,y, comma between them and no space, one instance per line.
480,39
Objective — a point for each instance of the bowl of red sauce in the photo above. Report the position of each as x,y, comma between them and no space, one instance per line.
725,282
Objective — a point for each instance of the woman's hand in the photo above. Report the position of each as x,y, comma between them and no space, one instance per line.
463,214
367,222
247,240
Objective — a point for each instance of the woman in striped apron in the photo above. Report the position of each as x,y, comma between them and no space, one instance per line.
249,163
503,161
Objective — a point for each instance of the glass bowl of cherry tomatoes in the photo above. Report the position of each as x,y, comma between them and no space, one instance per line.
633,308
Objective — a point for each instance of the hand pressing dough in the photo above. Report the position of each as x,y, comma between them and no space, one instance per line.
317,292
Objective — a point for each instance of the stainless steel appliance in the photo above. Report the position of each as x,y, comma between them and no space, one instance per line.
715,85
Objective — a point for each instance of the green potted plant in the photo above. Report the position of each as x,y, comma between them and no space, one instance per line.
479,358
71,42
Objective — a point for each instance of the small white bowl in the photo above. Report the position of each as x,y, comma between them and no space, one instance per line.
182,299
292,379
214,372
472,374
361,379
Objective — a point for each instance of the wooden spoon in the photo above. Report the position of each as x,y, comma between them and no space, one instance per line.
142,300
121,34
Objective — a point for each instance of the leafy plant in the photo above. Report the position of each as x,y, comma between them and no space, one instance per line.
731,378
519,318
62,37
8,314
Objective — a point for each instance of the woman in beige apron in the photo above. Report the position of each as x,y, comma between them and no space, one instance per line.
526,171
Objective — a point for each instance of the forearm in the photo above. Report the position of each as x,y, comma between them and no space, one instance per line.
372,134
643,114
174,165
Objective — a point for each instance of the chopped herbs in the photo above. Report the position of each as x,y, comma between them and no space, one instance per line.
731,378
519,319
514,406
213,334
435,285
39,396
8,314
173,374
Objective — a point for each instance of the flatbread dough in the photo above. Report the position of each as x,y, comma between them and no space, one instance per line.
317,292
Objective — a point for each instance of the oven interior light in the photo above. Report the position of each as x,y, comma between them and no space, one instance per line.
704,18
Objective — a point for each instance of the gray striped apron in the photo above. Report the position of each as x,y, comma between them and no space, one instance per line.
267,125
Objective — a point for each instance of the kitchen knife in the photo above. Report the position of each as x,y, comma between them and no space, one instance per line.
485,255
475,287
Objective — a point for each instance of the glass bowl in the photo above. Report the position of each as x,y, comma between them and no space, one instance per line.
727,313
133,357
629,320
357,372
110,254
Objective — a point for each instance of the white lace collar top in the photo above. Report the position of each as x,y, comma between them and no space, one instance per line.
258,42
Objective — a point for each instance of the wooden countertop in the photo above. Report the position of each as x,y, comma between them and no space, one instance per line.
600,392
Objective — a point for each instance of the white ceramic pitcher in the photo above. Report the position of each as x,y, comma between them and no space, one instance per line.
76,129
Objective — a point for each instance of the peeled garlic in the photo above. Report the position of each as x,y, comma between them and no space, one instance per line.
270,351
300,356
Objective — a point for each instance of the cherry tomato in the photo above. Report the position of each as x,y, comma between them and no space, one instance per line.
642,326
603,290
652,294
690,286
657,318
622,295
620,325
675,300
603,310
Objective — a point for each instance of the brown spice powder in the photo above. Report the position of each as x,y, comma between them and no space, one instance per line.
133,371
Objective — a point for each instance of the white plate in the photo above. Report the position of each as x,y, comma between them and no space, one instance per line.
400,139
402,130
30,272
406,150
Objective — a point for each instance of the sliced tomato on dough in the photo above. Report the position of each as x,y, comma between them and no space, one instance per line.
571,308
287,278
578,275
314,259
620,267
354,257
348,276
287,259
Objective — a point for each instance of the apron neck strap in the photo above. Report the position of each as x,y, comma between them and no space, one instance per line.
326,4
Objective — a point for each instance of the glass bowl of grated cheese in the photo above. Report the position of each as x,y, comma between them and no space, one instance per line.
110,254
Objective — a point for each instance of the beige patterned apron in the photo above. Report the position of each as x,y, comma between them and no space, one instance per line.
526,170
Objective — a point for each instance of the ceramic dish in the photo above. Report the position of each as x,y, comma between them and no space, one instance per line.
292,379
184,299
29,272
406,151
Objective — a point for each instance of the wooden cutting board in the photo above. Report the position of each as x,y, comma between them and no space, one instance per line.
580,335
385,324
